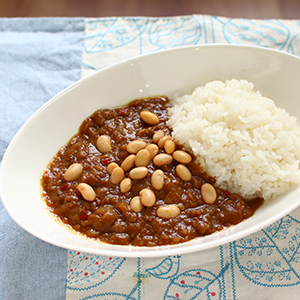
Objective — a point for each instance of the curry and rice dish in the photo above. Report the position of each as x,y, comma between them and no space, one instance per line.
140,174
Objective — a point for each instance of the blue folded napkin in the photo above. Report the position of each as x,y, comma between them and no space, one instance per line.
38,58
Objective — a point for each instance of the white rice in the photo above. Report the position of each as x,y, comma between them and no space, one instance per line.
239,137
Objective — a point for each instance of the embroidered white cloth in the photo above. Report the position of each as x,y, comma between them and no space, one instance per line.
265,265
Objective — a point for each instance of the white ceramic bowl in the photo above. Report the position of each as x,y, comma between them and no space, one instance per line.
274,73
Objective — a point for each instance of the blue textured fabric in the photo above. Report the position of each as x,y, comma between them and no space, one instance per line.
38,58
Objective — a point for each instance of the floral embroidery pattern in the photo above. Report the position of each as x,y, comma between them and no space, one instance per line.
268,259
